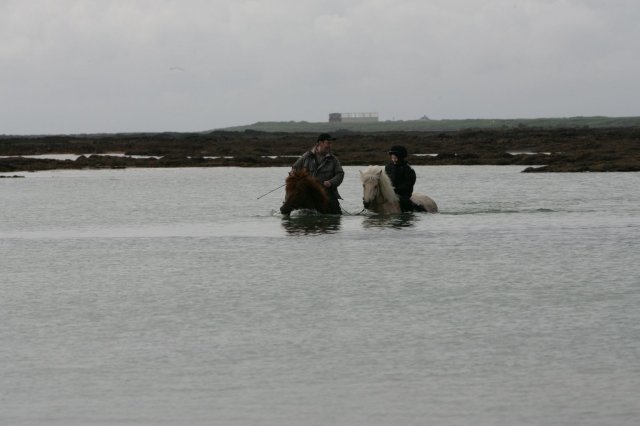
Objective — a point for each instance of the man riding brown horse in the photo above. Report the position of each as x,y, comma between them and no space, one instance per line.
320,162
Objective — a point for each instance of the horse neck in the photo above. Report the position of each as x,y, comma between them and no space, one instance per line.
309,194
385,205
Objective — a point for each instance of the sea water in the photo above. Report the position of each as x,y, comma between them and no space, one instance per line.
178,296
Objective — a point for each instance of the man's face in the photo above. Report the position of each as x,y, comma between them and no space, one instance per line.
393,158
324,147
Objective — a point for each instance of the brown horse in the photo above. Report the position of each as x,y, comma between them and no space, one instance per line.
303,191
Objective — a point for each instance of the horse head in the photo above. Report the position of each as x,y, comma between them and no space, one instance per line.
370,178
303,191
377,190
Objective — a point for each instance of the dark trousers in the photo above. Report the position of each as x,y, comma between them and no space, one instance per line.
334,206
406,205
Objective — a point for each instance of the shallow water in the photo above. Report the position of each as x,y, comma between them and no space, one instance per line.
174,296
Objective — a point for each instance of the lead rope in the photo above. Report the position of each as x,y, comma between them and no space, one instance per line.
364,209
348,213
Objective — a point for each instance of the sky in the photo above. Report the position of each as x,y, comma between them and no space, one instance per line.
107,66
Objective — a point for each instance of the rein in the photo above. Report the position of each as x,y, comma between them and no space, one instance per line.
348,213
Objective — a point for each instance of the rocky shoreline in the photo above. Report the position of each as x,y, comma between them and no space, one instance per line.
537,150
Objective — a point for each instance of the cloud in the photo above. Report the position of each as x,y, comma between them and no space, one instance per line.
85,66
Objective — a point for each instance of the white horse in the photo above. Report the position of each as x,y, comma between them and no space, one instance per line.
379,196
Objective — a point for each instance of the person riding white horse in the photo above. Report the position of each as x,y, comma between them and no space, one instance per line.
379,197
403,178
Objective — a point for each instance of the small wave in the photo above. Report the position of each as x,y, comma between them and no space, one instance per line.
498,211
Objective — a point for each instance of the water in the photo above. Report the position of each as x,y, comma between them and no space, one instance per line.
174,296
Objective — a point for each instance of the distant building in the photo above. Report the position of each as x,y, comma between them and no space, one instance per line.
353,117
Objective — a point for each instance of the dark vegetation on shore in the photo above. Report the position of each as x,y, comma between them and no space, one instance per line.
615,149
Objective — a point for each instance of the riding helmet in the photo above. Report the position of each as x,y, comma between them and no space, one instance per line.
399,151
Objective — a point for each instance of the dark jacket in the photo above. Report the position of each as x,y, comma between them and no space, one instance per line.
328,168
402,176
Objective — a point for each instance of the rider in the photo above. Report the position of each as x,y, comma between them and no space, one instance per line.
403,177
321,163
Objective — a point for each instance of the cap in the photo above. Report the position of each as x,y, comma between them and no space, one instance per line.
325,137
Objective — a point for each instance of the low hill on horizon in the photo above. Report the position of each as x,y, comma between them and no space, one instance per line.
437,125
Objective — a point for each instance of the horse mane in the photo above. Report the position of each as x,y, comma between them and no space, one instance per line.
300,180
308,192
378,174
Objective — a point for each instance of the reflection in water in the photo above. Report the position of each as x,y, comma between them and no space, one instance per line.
310,224
404,220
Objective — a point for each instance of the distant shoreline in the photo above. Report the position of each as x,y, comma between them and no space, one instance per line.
581,149
440,125
421,125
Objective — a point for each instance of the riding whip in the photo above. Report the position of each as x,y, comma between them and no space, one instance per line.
271,191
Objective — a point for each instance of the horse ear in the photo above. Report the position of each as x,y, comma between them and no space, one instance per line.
361,174
380,172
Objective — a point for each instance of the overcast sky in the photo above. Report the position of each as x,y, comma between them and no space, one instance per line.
88,66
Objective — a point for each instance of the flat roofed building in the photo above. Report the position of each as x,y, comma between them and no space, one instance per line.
353,117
